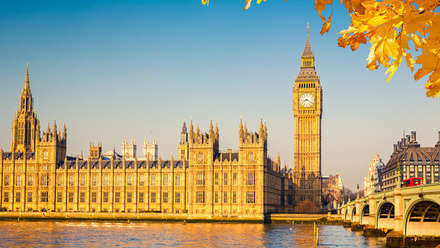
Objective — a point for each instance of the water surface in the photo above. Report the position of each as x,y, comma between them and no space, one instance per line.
176,234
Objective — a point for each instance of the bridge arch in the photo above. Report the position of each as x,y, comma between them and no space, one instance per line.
385,215
422,217
353,213
365,214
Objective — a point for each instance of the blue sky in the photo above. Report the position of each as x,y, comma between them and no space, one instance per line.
120,69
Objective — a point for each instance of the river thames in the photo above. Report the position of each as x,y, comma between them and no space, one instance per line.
176,234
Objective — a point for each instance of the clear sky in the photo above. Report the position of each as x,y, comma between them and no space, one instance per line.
120,69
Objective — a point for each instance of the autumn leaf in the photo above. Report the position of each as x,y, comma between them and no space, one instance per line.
205,2
410,61
326,25
392,69
248,4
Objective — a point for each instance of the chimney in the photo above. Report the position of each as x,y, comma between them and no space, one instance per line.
413,137
407,139
399,145
395,147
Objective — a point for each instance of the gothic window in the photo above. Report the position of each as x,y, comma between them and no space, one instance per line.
142,180
250,197
234,197
83,180
30,180
60,180
200,196
82,197
250,178
118,180
60,197
234,179
153,180
251,157
216,197
94,196
94,180
71,180
129,197
44,180
117,197
29,197
153,197
177,197
165,180
106,181
70,196
129,180
225,197
45,155
6,197
225,178
44,197
17,197
165,197
6,180
18,181
177,182
200,178
216,178
200,157
105,197
141,197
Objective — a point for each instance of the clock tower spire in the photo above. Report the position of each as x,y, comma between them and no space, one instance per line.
307,112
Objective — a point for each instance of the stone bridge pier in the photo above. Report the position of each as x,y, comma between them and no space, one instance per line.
409,212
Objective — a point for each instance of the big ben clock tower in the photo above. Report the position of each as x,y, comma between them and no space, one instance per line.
307,112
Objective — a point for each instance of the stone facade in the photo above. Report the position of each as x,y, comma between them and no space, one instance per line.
128,150
37,175
373,180
413,161
151,150
307,111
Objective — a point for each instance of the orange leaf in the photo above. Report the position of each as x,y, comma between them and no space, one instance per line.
421,73
205,2
326,25
248,4
410,61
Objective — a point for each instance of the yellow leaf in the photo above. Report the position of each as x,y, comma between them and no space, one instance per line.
417,41
326,25
248,4
392,69
421,73
433,84
410,61
259,1
205,2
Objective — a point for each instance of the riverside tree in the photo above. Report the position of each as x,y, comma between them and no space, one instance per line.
398,30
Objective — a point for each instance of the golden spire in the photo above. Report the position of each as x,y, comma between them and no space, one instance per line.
26,79
307,50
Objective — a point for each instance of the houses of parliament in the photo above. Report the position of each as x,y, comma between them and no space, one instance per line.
37,174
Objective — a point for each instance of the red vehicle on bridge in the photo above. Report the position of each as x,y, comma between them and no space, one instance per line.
412,182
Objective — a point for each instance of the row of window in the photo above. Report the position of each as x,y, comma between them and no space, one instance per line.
200,180
200,197
250,178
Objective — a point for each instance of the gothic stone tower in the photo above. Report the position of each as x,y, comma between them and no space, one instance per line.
25,126
307,111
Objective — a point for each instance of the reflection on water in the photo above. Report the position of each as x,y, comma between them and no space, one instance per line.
156,234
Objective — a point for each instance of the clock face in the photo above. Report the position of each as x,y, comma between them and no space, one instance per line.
306,100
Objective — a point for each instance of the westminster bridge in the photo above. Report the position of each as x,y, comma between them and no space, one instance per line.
410,210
